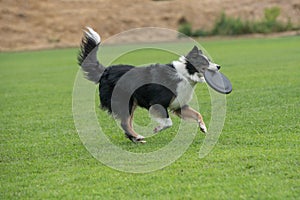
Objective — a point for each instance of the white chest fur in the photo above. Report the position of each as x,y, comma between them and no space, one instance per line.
184,94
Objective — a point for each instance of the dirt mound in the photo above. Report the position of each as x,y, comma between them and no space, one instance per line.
33,24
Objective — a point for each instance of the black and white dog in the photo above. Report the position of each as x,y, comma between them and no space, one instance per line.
157,87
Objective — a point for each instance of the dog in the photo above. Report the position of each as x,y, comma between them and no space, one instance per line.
159,88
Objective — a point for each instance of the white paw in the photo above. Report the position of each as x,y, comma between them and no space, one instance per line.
164,124
157,129
160,128
139,139
203,127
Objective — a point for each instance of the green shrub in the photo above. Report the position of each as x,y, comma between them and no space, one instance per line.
200,32
228,26
185,28
271,14
225,25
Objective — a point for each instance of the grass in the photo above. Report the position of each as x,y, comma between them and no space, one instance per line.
256,157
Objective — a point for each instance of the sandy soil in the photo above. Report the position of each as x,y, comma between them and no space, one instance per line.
38,24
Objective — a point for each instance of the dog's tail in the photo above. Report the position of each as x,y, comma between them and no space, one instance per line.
87,57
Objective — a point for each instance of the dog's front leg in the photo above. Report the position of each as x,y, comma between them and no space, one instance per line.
187,112
160,115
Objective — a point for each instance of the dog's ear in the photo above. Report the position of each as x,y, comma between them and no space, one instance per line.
193,52
192,58
195,49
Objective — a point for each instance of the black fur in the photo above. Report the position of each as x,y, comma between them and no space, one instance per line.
154,87
190,68
144,96
87,45
108,80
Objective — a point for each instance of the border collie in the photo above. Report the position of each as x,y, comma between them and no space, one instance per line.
158,87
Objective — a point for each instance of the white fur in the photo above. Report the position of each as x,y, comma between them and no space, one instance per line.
183,73
139,139
184,88
93,34
164,123
196,78
180,67
203,127
182,59
184,94
213,66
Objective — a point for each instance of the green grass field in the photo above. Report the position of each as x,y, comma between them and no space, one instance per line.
257,155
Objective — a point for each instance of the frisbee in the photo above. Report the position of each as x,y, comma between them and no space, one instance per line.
218,81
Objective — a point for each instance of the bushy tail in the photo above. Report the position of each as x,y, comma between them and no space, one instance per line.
87,57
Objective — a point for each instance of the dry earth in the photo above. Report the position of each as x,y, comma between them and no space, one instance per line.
37,24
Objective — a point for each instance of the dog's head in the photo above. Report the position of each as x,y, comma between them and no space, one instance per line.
196,63
200,62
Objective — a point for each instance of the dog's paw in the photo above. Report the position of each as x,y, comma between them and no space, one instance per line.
157,129
139,139
160,128
202,127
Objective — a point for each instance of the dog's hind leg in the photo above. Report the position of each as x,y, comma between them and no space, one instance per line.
130,133
131,115
160,115
187,112
126,123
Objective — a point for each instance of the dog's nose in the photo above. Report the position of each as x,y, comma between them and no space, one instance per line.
218,66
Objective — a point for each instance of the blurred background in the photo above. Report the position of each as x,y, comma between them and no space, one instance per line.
40,24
